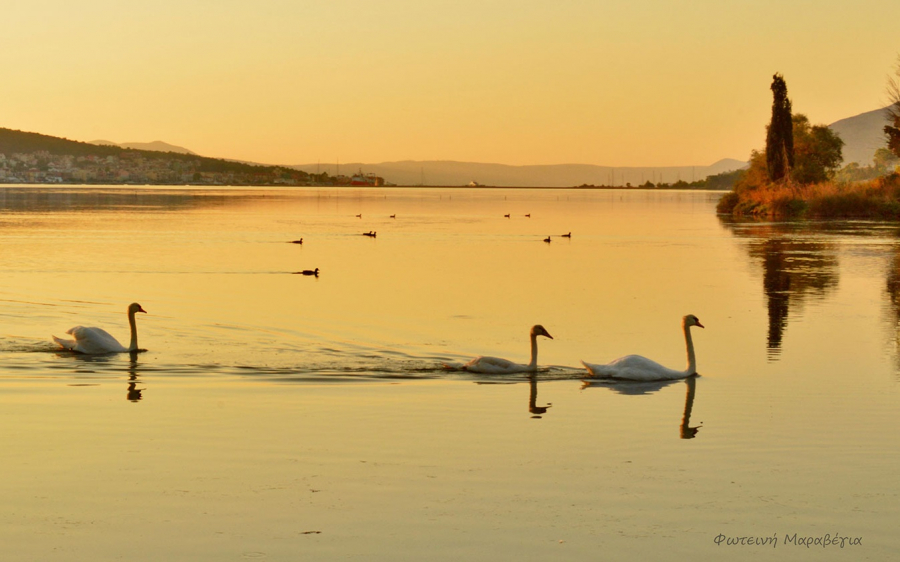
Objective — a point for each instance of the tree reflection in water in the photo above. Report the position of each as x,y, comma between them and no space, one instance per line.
892,287
795,267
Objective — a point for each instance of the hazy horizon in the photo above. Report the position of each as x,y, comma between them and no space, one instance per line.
643,84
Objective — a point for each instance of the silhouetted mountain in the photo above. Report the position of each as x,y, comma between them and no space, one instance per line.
12,142
444,172
862,134
155,146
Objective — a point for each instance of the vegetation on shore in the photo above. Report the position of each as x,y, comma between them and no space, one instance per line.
722,181
798,174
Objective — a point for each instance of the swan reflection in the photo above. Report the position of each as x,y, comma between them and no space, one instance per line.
536,411
134,394
641,388
107,363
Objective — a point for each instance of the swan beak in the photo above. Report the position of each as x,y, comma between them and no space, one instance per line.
699,324
548,335
141,309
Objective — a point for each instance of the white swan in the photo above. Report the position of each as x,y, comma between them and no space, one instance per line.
98,340
497,366
637,368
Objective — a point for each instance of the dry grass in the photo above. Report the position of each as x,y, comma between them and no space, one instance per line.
878,198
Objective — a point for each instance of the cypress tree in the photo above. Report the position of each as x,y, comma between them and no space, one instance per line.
780,136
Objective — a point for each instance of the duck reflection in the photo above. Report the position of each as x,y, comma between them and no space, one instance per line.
795,268
636,388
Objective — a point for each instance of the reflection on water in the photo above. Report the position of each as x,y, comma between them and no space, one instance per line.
793,271
685,430
796,267
536,411
99,365
643,388
32,200
263,389
134,393
892,287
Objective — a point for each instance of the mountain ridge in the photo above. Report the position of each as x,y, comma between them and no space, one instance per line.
153,146
862,135
453,172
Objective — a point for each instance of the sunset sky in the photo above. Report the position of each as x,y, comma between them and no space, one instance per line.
621,83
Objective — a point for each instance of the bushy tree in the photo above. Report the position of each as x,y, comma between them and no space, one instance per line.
817,151
885,160
779,138
892,130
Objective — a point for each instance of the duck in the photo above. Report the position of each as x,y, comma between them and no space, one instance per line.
95,341
528,216
308,272
359,216
506,215
567,235
371,234
297,241
393,216
497,366
638,368
547,240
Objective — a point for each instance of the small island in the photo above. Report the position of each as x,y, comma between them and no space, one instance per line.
798,174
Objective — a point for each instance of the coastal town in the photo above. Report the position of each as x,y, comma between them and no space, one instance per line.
143,168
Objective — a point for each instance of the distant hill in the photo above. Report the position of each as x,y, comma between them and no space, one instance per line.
862,134
155,146
450,173
12,141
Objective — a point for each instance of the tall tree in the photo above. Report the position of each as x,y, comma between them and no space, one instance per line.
780,137
893,112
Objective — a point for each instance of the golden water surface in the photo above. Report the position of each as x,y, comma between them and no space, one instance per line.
289,417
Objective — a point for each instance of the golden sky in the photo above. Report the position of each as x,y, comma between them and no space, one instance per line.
621,83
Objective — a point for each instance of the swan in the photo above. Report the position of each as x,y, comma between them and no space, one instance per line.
98,340
497,366
637,368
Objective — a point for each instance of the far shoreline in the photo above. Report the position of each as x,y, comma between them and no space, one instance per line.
357,187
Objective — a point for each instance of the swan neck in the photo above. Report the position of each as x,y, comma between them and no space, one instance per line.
134,344
533,364
691,358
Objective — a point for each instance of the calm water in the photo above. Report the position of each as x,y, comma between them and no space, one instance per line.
284,417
